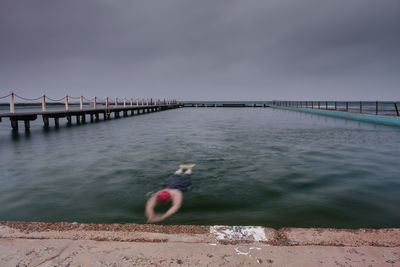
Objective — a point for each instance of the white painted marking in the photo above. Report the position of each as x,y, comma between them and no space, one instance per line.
240,252
255,233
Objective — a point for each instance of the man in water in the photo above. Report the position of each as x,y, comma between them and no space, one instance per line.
173,190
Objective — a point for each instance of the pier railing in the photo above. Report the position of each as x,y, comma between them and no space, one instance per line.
387,108
83,102
30,108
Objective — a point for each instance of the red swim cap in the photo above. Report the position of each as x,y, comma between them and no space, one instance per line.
163,196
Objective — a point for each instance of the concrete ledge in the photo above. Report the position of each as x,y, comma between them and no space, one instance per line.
202,234
385,120
340,237
65,244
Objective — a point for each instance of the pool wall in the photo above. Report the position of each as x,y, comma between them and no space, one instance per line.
386,120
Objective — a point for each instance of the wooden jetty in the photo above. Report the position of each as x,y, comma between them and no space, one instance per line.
94,113
81,115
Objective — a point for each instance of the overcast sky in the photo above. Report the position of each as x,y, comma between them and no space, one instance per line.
202,50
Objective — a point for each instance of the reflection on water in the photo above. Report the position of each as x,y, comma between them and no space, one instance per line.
254,166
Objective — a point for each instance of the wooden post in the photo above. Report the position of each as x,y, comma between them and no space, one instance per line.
142,102
56,122
131,102
376,107
81,103
83,118
124,101
66,103
46,121
95,103
14,124
97,116
137,102
12,109
43,103
347,106
107,103
397,110
91,117
69,120
27,124
116,102
312,104
360,106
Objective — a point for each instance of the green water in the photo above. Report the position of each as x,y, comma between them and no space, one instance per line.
259,166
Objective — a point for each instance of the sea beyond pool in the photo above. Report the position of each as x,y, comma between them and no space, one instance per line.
255,166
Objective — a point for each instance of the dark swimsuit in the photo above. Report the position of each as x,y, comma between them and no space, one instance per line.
180,182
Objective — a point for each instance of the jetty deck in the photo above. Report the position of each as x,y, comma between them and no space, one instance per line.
81,114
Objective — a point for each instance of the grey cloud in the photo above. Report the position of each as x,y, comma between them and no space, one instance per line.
202,49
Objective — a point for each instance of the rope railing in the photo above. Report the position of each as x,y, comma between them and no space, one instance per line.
54,100
88,100
26,99
95,100
2,97
74,97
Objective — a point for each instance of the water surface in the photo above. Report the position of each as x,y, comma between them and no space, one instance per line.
257,166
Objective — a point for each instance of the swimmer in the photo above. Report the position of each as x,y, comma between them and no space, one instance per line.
173,191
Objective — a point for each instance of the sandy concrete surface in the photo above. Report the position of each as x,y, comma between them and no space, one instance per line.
63,244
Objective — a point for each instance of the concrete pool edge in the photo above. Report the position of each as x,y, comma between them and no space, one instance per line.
379,119
225,235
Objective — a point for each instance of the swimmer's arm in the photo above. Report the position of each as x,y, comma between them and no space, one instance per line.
151,203
176,204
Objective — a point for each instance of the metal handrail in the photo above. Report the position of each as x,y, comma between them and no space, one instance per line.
385,108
